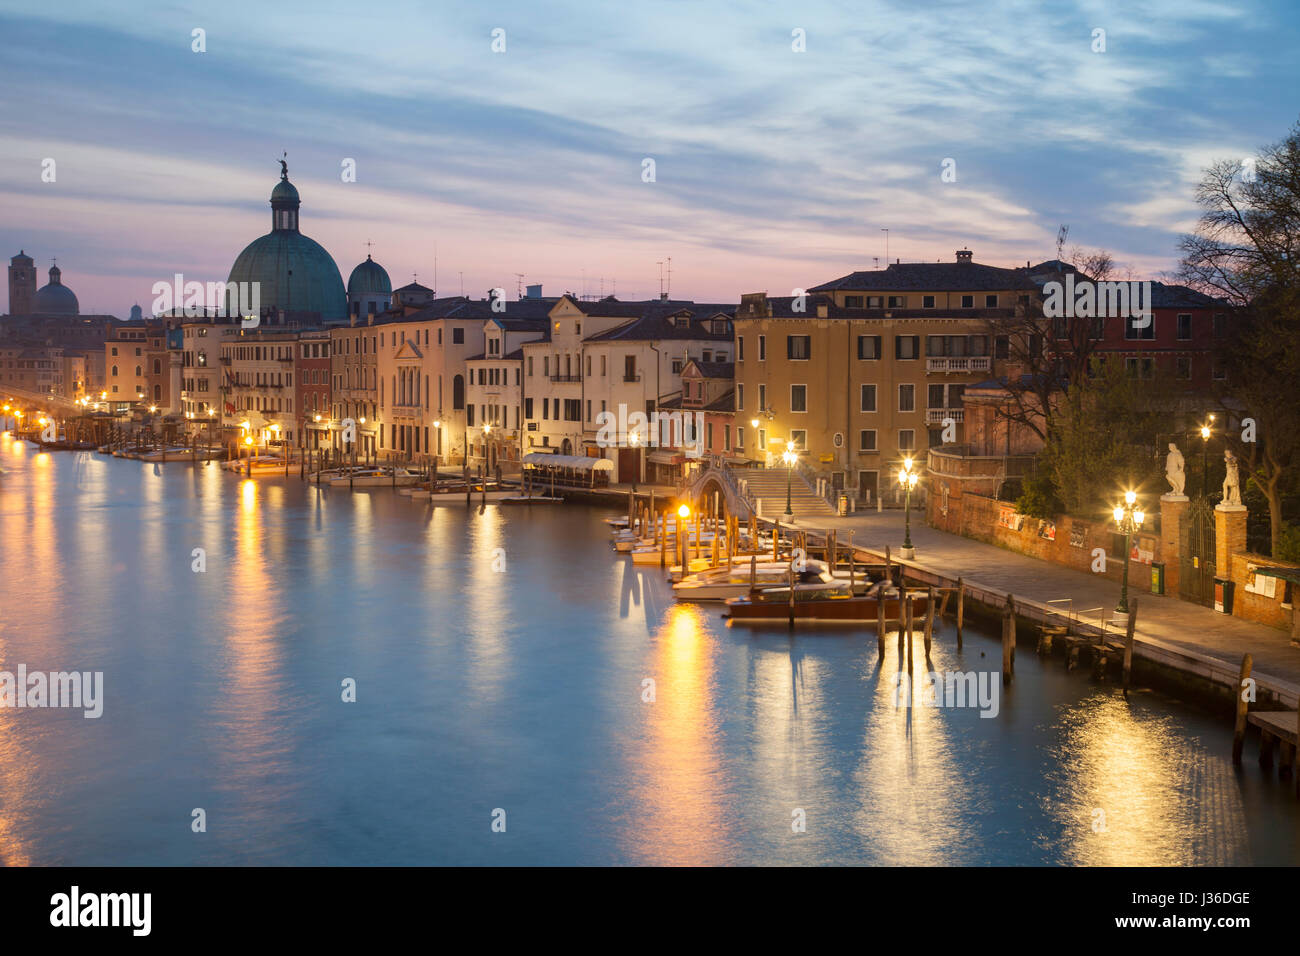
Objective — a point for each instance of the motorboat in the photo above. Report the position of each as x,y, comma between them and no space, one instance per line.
375,478
833,601
743,575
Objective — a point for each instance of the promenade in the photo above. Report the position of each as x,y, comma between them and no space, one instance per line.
1197,633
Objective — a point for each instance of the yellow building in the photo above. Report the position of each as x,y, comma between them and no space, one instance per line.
870,367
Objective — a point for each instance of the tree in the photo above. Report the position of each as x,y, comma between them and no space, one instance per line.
1246,249
1044,355
1105,435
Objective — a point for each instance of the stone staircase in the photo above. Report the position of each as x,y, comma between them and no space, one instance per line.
767,487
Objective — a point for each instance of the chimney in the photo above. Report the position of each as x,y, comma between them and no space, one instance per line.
964,255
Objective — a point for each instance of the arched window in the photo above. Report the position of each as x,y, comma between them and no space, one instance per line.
458,392
115,371
137,371
157,367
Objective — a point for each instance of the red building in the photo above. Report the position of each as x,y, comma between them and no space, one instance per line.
312,365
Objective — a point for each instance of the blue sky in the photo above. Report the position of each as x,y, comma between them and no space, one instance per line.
774,169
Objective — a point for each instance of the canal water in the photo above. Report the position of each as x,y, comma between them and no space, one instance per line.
501,661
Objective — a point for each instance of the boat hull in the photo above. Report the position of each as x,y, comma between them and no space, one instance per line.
855,610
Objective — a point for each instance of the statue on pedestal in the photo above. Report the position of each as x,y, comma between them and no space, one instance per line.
1175,471
1231,480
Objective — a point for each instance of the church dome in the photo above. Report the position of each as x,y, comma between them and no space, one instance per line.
369,277
294,272
55,298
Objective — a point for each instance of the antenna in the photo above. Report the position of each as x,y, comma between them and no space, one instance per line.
435,267
886,232
670,278
660,264
519,285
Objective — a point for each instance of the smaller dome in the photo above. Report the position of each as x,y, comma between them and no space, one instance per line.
284,191
369,278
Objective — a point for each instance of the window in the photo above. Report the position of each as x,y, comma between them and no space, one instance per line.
1184,326
528,408
991,301
762,397
1220,326
740,397
907,346
1219,370
740,438
797,347
457,336
927,302
1001,346
934,396
867,439
1134,331
762,348
1184,366
800,439
906,439
457,392
762,441
868,398
798,398
726,437
898,302
853,301
968,302
907,398
874,302
869,347
1139,367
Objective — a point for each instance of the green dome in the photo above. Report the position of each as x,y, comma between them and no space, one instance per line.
284,191
369,278
295,272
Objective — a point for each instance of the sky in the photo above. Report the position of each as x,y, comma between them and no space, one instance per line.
774,169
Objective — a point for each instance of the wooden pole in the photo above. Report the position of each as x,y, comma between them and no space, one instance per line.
1008,641
880,620
1128,643
961,608
889,567
929,621
1239,728
661,533
753,572
776,540
909,634
791,576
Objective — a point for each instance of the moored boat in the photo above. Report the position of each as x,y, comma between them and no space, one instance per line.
832,602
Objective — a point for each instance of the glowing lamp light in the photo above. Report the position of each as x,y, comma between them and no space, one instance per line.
437,423
1130,497
753,422
248,439
1118,514
487,429
361,420
683,512
1205,432
1138,517
317,418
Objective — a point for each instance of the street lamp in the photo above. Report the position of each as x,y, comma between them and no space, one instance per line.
789,457
908,477
1206,431
1128,518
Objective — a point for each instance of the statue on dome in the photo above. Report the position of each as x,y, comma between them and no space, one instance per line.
284,166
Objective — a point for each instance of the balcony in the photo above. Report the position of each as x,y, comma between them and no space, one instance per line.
565,378
631,378
936,416
965,363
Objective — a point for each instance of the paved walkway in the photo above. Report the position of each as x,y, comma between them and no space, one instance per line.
1162,621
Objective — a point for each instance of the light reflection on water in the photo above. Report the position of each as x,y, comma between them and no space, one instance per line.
514,679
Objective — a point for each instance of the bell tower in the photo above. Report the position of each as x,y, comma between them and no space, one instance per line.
22,284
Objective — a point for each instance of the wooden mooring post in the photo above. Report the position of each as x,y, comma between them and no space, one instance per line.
1008,641
908,614
880,622
929,621
1128,643
1239,727
961,608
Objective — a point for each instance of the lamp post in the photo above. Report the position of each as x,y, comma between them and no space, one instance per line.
1205,449
789,457
908,477
1128,518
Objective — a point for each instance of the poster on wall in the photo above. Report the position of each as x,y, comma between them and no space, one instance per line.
1047,530
1008,518
1144,550
1078,536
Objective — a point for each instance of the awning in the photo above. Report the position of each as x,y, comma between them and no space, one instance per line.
577,462
665,457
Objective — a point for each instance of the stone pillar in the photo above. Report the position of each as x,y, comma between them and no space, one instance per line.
1229,537
1172,510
